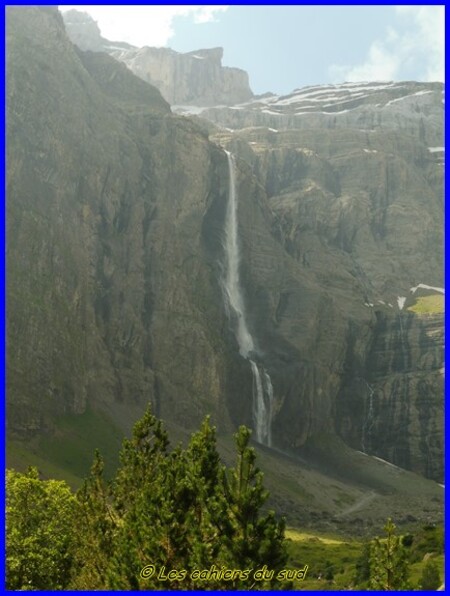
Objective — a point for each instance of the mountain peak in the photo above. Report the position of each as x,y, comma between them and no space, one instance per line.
192,78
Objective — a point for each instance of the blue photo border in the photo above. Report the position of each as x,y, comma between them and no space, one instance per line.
3,238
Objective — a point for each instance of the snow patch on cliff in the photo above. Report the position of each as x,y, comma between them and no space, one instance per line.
425,287
401,301
388,463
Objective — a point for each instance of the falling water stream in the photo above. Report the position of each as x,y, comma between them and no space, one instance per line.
234,302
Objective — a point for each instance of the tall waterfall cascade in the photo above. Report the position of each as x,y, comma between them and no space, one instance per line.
234,303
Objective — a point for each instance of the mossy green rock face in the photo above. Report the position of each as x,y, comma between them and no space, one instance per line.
115,227
111,293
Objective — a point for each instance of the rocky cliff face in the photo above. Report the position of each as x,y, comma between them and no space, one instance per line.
115,222
409,107
402,386
109,281
195,78
356,199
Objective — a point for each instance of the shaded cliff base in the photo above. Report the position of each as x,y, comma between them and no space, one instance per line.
326,486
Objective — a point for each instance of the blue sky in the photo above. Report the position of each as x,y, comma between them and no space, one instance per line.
285,47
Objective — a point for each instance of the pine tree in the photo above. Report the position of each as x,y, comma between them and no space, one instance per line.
231,533
430,578
142,501
389,569
140,458
208,515
362,567
167,510
252,540
176,510
97,526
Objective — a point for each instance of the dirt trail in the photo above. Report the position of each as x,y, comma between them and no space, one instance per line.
359,504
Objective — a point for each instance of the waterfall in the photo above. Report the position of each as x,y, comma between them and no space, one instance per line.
269,393
262,404
234,299
234,303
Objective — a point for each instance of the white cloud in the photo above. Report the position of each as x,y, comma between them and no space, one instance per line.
416,48
143,25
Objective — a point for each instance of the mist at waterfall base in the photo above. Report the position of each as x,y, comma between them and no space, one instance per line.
234,303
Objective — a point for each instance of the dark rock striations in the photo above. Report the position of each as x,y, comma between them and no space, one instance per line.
357,202
109,282
115,254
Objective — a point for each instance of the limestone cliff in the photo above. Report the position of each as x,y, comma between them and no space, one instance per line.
409,107
357,202
401,383
195,78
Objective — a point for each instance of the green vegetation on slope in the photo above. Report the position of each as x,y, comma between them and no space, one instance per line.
332,561
20,457
428,305
67,455
167,510
182,509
